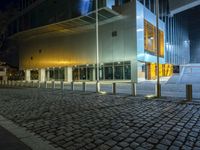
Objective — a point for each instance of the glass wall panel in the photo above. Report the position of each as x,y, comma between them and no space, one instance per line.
90,73
75,73
83,73
119,72
51,74
56,74
127,70
108,71
34,74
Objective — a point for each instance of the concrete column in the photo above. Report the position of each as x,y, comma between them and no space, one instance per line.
94,74
134,71
47,75
27,75
42,75
68,74
5,78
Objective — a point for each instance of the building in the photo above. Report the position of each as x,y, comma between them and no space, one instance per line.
3,72
57,40
8,72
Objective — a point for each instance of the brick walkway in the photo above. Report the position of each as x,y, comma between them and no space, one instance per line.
75,120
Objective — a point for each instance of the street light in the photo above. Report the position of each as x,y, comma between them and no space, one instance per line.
97,47
158,87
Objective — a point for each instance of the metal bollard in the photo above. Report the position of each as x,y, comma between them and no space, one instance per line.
53,84
158,90
133,89
72,85
189,92
84,86
97,87
62,85
114,88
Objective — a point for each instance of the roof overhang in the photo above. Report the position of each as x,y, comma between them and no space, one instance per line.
71,26
180,6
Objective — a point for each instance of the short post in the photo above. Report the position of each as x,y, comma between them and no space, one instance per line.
133,89
189,92
114,88
97,87
72,85
53,84
158,90
32,83
84,86
62,85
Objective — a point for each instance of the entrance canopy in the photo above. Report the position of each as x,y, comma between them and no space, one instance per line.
72,26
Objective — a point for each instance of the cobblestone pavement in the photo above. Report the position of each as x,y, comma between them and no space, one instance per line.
76,120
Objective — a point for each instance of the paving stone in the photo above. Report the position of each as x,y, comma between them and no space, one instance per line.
147,145
134,145
116,148
140,140
174,148
111,143
162,147
123,144
76,120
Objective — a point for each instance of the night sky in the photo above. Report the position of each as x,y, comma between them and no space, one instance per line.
5,3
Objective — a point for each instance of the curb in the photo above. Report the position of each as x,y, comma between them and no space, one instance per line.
29,139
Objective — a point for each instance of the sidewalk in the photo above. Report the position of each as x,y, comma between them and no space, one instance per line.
9,142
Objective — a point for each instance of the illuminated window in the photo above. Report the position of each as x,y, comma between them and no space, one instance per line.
150,39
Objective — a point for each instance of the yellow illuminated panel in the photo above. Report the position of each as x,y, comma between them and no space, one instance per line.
150,39
161,43
165,70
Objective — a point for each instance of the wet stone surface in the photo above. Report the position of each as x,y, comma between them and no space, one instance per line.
77,120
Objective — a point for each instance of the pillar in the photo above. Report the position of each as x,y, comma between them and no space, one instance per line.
68,74
48,75
134,71
42,75
27,75
94,74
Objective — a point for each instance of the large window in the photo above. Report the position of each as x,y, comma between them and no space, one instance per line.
34,75
83,73
150,39
108,71
56,74
118,70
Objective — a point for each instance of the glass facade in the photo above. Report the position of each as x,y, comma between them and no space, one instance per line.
107,71
56,74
